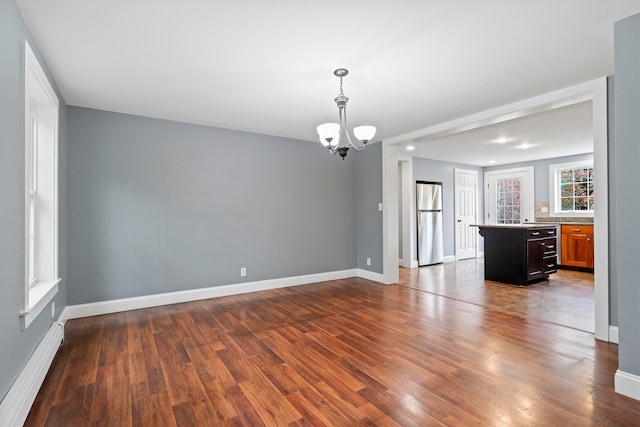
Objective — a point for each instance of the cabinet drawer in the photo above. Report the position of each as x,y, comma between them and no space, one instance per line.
549,265
540,233
550,247
577,229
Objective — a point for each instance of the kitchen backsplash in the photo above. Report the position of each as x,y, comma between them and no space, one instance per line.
566,219
542,215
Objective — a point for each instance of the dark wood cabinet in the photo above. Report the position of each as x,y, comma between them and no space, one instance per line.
577,246
519,254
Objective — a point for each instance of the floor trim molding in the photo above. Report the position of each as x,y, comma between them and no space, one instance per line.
627,384
15,407
146,301
370,275
613,334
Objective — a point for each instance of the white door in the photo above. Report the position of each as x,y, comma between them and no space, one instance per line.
466,191
510,196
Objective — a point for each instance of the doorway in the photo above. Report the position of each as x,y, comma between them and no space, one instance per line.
595,91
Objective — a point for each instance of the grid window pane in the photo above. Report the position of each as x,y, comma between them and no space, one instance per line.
576,189
508,201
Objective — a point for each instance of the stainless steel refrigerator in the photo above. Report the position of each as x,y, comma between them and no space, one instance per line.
429,207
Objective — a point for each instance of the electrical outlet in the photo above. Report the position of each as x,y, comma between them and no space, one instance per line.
368,261
53,309
243,272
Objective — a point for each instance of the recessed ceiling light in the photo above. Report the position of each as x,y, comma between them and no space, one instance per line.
502,140
491,162
525,146
410,148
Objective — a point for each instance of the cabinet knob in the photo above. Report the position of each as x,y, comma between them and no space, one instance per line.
588,240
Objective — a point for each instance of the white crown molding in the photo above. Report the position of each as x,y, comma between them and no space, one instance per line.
16,405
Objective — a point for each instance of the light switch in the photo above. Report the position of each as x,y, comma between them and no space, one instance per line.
380,207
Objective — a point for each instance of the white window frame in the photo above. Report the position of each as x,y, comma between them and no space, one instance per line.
41,118
554,188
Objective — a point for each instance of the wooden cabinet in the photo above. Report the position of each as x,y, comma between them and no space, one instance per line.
577,246
519,254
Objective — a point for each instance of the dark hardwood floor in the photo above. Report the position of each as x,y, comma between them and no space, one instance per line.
342,353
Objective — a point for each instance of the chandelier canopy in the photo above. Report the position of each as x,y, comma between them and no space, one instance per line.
335,136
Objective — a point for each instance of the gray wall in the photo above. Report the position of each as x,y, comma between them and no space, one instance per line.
439,171
541,172
158,206
625,208
368,217
18,345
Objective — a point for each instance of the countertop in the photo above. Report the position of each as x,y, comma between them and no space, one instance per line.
525,225
531,224
565,223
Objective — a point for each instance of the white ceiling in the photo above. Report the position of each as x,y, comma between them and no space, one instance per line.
552,133
267,67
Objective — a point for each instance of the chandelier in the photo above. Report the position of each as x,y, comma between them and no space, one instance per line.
335,136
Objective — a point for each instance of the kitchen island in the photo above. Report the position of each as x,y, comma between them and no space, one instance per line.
519,253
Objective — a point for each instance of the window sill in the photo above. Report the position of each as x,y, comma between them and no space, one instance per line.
40,296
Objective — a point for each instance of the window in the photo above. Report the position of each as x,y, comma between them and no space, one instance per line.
572,188
508,201
41,190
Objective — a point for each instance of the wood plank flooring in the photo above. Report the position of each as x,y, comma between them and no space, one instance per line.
341,353
565,299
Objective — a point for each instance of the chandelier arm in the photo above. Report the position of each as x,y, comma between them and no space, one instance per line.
344,130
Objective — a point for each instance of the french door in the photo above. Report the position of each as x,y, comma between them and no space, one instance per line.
509,196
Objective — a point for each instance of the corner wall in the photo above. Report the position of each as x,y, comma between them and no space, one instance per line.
368,218
19,345
625,207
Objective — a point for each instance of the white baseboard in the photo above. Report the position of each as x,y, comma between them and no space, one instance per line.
146,301
627,384
16,405
370,275
448,259
613,334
